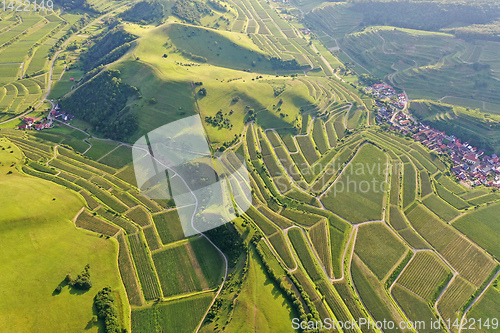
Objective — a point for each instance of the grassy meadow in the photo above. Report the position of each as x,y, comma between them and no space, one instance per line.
41,245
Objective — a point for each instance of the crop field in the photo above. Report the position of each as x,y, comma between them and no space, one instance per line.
440,207
301,217
320,136
481,226
378,248
169,226
338,241
127,272
334,302
352,304
473,194
466,257
176,271
372,293
409,184
308,149
319,238
144,267
424,274
395,182
264,223
87,221
487,307
306,284
100,148
124,197
413,239
449,184
209,259
140,216
485,199
396,218
172,315
148,203
303,250
415,308
454,298
365,169
451,198
91,202
118,158
152,238
102,195
425,184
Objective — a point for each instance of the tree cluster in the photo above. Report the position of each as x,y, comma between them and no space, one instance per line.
278,63
107,310
191,10
426,15
227,238
287,290
101,102
218,5
82,281
76,4
107,48
144,12
219,121
479,31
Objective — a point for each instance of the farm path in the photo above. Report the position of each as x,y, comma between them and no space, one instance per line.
478,297
322,57
350,243
53,157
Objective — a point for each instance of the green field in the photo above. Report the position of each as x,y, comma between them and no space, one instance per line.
424,274
378,248
481,226
372,292
261,305
466,257
39,243
361,185
176,272
334,237
487,307
172,315
168,226
303,251
415,308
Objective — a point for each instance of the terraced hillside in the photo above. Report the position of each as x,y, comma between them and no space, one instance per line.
347,220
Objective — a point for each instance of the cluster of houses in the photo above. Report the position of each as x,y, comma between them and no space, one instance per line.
36,123
39,123
470,164
305,31
386,91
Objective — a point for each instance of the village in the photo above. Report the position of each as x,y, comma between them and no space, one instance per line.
470,164
41,123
